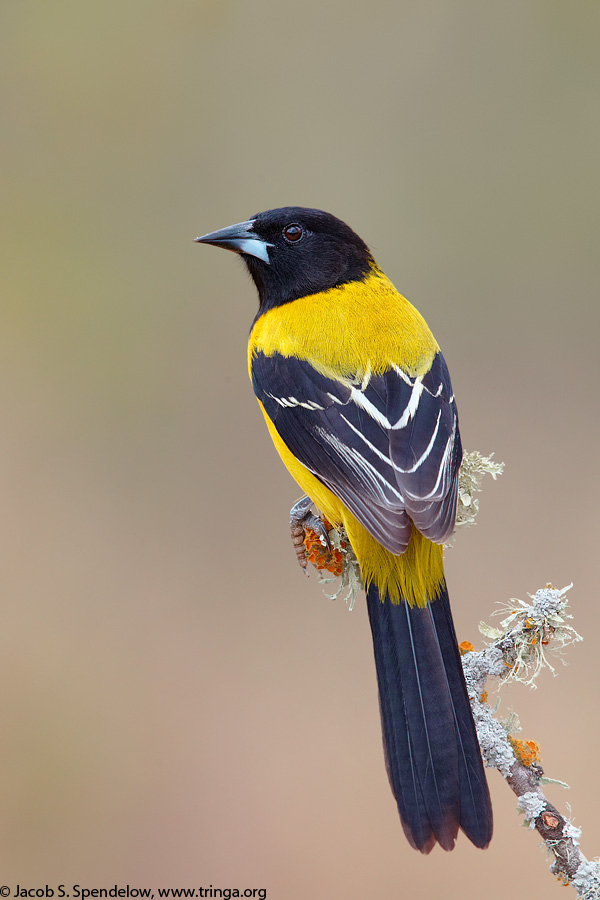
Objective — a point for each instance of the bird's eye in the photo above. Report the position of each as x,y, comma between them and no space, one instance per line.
293,233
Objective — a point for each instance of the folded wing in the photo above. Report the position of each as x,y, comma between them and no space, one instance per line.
387,445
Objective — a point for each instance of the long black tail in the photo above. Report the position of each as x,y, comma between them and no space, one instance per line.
432,753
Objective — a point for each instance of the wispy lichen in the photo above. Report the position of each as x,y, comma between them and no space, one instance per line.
519,653
531,631
350,579
473,469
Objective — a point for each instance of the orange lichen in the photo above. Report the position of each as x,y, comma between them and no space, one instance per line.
527,752
320,556
484,696
465,647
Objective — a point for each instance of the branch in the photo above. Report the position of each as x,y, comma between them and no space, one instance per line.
516,653
519,653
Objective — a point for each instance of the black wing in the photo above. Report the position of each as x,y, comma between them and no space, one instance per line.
388,447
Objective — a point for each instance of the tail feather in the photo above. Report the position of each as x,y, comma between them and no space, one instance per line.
432,753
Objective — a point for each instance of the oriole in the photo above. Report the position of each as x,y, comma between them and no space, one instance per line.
358,401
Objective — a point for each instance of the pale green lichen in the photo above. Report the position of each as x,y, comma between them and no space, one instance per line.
572,831
563,784
532,804
529,629
496,751
350,580
586,880
473,468
492,734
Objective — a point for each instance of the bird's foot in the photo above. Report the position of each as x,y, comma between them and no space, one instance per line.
302,519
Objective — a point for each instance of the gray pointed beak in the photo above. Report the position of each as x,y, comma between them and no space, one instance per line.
241,239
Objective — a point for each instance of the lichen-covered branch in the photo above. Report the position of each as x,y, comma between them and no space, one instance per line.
519,651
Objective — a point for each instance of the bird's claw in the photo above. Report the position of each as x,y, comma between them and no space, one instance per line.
301,519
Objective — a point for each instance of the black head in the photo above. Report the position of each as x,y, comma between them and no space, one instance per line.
293,251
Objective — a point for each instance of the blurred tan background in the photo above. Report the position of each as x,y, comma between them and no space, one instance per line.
179,706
